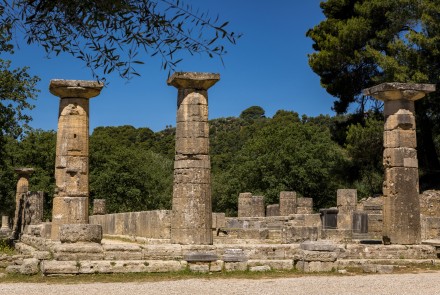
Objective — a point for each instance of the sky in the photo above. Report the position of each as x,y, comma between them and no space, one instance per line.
268,67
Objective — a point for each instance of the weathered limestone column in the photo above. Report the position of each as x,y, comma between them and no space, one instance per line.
5,222
192,209
287,203
401,211
71,199
22,188
346,201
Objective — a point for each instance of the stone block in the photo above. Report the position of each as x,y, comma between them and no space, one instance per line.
68,210
250,206
218,220
253,233
430,203
400,157
30,266
99,207
273,210
78,251
192,161
316,266
192,97
321,245
53,267
275,264
346,198
200,257
297,234
190,112
400,138
345,221
304,206
235,266
216,266
192,146
324,256
192,175
391,107
260,268
402,119
234,255
192,129
199,267
73,233
287,203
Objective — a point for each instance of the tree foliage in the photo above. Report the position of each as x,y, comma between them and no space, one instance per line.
366,42
111,35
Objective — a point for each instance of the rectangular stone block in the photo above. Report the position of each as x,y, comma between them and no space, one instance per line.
250,206
68,211
192,161
192,97
297,234
192,113
218,220
393,106
403,119
304,202
400,157
273,210
287,203
192,146
192,175
401,206
192,129
346,198
400,138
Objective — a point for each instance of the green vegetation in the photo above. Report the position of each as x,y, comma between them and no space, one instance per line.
132,168
6,247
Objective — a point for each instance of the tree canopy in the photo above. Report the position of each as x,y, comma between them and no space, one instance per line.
114,35
366,42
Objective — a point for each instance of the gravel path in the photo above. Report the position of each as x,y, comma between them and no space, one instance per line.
421,283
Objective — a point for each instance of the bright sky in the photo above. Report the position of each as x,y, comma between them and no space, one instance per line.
268,67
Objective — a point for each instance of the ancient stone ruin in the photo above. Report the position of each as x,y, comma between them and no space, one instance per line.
375,234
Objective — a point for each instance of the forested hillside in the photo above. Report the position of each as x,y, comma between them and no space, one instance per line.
132,168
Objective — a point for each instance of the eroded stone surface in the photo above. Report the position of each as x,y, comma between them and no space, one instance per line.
192,213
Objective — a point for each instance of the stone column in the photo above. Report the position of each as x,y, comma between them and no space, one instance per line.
346,201
287,203
401,209
71,199
192,208
22,189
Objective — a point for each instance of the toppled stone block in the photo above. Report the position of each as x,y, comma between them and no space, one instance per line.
73,233
324,256
200,257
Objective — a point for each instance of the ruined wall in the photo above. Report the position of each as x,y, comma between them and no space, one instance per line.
148,224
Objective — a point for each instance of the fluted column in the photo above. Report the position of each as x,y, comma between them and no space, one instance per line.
71,199
192,208
401,211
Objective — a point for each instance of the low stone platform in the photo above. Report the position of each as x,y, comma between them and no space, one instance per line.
117,256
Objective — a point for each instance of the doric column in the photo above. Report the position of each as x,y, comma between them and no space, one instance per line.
70,203
192,218
401,211
22,188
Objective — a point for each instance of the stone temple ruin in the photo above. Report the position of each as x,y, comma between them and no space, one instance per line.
375,234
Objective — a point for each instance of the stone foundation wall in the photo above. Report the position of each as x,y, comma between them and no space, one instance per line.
148,224
430,203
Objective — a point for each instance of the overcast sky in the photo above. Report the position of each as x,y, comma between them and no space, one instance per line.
268,67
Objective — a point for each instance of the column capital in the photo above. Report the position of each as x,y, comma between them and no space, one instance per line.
399,91
193,80
75,88
24,172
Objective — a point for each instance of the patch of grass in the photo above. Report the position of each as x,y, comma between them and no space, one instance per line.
6,247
